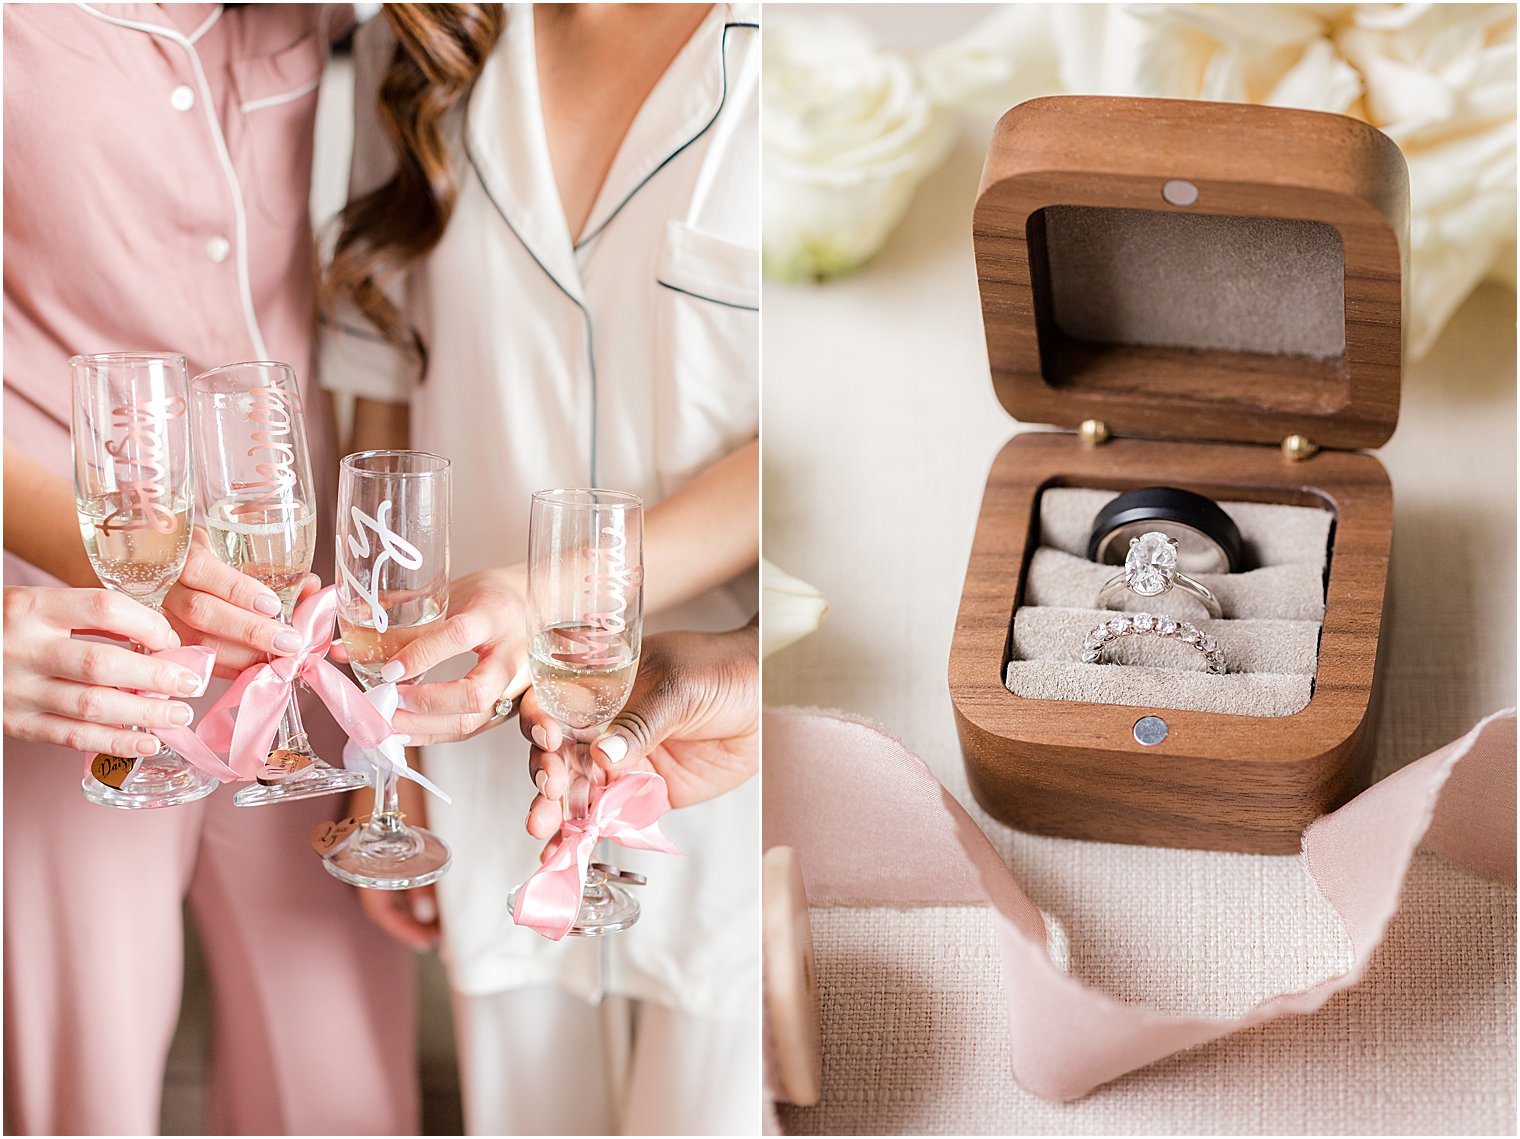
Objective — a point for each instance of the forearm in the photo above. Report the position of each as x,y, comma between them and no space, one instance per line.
705,533
379,426
40,522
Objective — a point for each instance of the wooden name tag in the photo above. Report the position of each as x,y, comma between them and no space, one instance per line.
281,765
329,836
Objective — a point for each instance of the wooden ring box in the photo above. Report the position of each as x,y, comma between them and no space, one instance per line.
1212,417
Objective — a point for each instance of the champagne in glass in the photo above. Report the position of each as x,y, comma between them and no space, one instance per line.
132,493
585,619
259,503
393,586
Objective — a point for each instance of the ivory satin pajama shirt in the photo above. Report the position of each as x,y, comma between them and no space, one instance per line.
627,358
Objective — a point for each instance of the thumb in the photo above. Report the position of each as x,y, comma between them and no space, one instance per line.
652,714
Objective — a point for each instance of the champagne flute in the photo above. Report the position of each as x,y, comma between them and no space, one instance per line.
132,492
393,586
260,509
585,620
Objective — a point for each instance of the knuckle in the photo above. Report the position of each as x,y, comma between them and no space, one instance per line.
19,602
90,704
101,606
252,631
77,737
95,662
198,608
638,726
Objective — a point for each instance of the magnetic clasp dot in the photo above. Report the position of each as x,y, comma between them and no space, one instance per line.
1180,192
182,98
218,249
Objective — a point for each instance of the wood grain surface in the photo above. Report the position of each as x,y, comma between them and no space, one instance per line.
1245,161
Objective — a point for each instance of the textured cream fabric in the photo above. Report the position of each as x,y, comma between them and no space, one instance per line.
880,425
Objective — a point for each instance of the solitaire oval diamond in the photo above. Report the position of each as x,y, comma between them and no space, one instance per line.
1150,564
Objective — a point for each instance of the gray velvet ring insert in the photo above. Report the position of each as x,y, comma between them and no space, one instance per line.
1148,625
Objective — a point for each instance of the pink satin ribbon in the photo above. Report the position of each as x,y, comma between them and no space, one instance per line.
184,742
904,840
627,811
260,694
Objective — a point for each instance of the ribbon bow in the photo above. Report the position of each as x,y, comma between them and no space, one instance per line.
390,754
181,740
627,811
261,693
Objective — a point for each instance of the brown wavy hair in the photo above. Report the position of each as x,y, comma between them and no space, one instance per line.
441,50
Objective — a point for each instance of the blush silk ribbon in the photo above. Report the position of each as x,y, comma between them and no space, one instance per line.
184,742
627,811
906,841
390,754
260,694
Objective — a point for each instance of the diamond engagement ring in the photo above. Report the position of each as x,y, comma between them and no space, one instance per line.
503,707
1150,569
1148,625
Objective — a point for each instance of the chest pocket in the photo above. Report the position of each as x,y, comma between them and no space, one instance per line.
707,350
277,111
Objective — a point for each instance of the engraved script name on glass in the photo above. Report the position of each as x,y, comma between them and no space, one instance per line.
275,410
141,464
394,547
584,668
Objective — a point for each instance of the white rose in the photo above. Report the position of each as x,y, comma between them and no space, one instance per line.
790,609
848,134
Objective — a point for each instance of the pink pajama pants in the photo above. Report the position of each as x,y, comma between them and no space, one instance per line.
312,1007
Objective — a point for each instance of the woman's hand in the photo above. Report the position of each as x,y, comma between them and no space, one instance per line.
487,616
693,717
63,691
214,605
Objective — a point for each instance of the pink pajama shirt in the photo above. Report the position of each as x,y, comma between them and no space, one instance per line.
157,168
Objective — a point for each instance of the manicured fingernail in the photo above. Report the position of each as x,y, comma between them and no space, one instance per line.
287,642
403,739
541,780
394,670
189,684
424,910
541,738
149,746
615,748
181,714
267,604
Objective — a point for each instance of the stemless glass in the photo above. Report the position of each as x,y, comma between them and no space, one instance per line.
393,586
585,620
133,494
261,513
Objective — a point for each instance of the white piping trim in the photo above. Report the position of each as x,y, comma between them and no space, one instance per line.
239,212
206,27
276,100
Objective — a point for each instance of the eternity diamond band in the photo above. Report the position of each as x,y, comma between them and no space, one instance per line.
1149,625
1150,569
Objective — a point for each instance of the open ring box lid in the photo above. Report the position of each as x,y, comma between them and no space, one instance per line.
1206,280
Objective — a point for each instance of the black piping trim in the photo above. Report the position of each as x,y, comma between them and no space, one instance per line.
722,99
586,315
701,297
